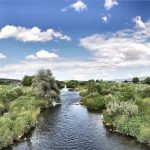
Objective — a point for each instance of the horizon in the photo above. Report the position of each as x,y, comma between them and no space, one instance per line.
76,39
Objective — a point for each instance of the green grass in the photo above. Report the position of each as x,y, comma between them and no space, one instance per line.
127,107
19,112
94,102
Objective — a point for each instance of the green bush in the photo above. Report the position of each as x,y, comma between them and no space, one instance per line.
7,95
147,80
144,134
2,108
135,80
44,85
128,126
23,111
122,108
127,106
126,93
144,92
109,98
6,135
95,102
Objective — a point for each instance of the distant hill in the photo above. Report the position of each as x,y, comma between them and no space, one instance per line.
130,79
9,81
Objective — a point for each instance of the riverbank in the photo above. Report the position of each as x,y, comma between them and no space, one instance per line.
20,106
71,126
125,107
19,113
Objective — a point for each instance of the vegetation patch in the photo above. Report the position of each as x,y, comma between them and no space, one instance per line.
20,107
127,106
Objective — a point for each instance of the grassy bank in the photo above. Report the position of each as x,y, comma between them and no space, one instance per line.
126,106
19,112
20,107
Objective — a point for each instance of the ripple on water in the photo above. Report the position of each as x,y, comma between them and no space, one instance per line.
72,127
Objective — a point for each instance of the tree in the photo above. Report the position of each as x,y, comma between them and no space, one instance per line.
135,80
147,80
27,80
60,84
44,86
72,84
126,81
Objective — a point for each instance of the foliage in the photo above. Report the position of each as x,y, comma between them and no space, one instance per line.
72,84
126,93
44,86
135,80
94,101
127,106
22,113
144,134
20,108
60,84
147,80
122,108
144,92
7,95
27,80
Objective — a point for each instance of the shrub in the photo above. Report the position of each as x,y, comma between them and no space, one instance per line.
43,84
19,127
8,95
95,102
27,80
122,108
126,93
2,108
27,102
6,135
144,134
135,80
128,126
109,98
144,92
147,80
144,109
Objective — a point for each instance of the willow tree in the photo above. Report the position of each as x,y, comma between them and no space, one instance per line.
44,86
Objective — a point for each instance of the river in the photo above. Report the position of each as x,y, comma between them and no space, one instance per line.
72,127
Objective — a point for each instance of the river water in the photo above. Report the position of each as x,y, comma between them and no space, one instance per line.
72,127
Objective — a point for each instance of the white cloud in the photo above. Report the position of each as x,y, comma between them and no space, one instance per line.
125,48
139,74
31,34
42,54
138,21
112,52
115,51
104,19
110,3
63,69
77,6
2,56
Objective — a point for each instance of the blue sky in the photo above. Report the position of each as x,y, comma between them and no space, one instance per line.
76,39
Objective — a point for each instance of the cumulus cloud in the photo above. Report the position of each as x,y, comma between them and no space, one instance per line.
42,54
104,19
63,69
2,56
110,3
31,34
120,49
138,21
128,48
77,6
117,51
